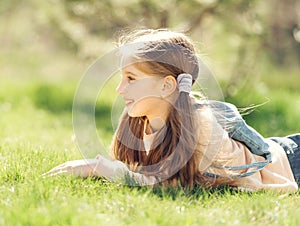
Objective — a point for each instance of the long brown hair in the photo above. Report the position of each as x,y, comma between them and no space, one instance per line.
163,53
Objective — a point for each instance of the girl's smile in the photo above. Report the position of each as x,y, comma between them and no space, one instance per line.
128,102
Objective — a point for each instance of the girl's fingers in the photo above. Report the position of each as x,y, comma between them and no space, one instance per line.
75,167
54,170
62,172
61,169
51,173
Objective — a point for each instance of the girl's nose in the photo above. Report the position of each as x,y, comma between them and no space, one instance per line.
121,87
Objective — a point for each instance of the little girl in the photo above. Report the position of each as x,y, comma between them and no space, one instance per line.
166,135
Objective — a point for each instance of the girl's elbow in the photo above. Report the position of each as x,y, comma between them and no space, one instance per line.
290,188
294,187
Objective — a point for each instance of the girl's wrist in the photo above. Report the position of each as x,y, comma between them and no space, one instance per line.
110,169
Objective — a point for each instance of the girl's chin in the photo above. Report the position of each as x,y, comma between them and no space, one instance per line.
133,114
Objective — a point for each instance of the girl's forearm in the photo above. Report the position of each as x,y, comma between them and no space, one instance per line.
288,187
117,171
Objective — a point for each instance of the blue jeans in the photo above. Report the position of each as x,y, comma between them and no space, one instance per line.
291,146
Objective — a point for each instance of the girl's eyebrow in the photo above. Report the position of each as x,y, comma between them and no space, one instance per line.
129,73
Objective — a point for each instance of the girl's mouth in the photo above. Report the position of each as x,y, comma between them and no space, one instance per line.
128,102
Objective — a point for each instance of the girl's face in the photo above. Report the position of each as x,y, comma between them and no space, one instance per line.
142,93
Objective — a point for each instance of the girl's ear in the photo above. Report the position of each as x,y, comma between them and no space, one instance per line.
169,85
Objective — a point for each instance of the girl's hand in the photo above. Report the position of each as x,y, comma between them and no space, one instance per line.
80,168
112,170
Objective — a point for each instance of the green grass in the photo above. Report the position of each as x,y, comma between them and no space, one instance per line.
28,199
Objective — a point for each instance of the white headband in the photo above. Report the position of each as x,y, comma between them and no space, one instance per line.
185,82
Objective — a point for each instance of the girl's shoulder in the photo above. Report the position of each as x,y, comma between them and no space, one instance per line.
221,110
202,112
198,100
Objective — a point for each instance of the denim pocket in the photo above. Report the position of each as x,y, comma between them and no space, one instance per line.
287,143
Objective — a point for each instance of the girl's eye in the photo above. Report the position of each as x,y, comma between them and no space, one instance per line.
130,78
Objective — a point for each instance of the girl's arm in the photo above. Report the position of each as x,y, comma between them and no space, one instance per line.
112,170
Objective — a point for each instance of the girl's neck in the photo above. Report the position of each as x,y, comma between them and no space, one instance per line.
157,119
154,124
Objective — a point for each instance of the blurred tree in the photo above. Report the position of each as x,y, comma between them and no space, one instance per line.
284,22
251,29
106,17
255,26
